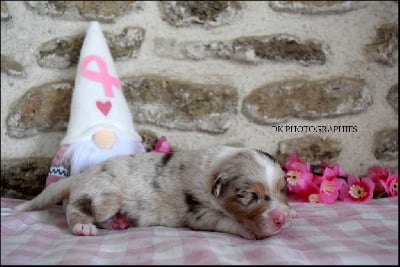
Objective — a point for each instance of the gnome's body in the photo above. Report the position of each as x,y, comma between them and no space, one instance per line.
100,125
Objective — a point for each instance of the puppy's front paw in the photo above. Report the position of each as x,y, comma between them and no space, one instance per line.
84,229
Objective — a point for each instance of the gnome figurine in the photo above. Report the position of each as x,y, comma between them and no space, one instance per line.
100,124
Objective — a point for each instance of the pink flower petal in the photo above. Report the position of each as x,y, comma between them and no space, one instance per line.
162,146
392,185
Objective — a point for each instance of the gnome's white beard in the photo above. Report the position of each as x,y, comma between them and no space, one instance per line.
85,154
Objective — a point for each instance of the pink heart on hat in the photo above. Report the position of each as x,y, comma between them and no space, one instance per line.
104,107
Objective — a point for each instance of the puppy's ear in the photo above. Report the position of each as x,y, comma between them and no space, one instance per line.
266,154
220,184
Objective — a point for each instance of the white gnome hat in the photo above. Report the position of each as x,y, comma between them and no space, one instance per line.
97,101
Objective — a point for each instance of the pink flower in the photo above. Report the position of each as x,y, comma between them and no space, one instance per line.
300,182
330,185
162,146
357,190
326,183
293,158
335,167
391,185
378,174
299,176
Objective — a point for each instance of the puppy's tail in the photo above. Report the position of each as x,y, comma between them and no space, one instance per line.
52,194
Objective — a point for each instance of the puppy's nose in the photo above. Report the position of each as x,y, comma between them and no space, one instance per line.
278,216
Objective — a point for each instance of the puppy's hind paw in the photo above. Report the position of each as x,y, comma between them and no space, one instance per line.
120,222
84,229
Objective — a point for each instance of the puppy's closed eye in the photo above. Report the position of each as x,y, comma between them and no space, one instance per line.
246,197
254,196
250,197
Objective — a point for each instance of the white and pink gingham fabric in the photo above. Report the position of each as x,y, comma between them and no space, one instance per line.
339,233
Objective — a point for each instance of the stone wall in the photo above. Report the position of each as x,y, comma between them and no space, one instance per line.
316,78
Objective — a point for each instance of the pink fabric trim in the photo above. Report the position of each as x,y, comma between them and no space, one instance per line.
52,179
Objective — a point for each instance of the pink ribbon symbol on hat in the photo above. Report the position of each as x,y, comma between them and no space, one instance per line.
102,76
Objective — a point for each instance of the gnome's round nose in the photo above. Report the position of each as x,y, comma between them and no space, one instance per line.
104,139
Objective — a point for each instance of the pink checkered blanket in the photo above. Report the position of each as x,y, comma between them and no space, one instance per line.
339,233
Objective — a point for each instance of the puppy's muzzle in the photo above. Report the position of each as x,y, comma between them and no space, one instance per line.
273,221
